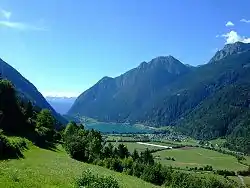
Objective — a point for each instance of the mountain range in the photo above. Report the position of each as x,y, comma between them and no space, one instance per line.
207,101
26,90
61,104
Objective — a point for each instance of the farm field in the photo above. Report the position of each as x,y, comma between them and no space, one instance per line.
46,169
198,157
247,181
218,141
188,142
247,160
133,145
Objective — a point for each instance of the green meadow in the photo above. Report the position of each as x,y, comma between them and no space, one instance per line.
198,157
42,168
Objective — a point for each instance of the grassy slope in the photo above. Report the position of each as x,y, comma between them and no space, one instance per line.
198,157
45,168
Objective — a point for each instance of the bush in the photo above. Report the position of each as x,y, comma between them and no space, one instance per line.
153,174
244,172
10,149
89,180
225,173
180,180
113,164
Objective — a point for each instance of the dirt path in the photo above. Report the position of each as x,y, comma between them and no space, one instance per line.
156,145
242,180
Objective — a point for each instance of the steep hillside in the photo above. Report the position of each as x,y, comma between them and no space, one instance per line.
26,90
115,99
189,91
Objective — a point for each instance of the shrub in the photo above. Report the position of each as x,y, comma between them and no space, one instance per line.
9,149
225,172
153,174
113,164
89,180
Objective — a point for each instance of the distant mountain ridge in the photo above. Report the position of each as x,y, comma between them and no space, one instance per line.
61,104
26,89
230,49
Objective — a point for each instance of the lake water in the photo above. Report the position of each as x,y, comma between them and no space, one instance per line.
118,128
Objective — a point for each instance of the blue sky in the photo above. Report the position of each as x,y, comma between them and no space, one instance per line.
63,47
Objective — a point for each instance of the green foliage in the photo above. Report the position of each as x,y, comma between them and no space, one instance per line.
45,127
154,174
135,155
225,172
70,130
45,119
10,148
89,180
244,172
122,151
147,157
11,116
108,151
82,144
180,180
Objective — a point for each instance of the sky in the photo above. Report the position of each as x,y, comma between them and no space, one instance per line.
64,47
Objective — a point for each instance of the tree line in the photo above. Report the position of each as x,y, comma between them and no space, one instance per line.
22,118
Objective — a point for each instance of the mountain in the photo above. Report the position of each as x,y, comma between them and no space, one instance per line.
115,99
230,49
27,90
61,104
205,102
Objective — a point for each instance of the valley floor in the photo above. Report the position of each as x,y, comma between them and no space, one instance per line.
42,168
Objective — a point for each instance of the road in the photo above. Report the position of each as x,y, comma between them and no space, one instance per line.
156,145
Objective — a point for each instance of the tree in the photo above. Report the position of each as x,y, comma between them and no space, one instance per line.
12,118
122,151
29,110
153,174
70,129
147,157
135,155
45,126
108,151
45,119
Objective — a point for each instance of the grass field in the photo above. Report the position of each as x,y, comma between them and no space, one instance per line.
199,157
247,181
247,160
218,141
133,145
53,169
188,142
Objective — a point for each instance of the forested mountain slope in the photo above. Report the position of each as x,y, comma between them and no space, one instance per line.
115,99
26,89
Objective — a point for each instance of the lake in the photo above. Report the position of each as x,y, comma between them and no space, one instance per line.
118,128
